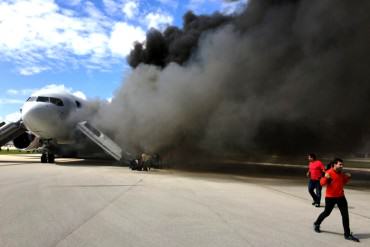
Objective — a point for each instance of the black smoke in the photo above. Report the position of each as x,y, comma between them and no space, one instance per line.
283,76
174,44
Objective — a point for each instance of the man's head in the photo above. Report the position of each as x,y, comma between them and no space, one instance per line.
312,157
338,164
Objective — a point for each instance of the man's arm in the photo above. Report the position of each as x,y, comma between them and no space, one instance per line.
325,179
322,167
347,177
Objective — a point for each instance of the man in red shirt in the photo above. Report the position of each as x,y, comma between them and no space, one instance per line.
335,180
315,170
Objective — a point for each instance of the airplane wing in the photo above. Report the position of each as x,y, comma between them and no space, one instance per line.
103,141
11,131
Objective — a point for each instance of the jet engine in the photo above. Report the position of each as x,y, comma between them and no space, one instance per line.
26,140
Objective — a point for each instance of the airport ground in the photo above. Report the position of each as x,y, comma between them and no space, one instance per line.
88,203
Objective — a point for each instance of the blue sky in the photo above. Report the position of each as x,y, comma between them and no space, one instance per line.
78,45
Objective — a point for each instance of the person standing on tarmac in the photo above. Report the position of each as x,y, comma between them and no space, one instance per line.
315,170
335,180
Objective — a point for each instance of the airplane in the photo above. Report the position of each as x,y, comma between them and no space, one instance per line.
53,121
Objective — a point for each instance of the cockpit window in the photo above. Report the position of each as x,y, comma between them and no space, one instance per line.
42,99
78,104
56,101
52,100
31,99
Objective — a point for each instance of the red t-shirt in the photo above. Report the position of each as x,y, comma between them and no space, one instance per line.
335,184
316,168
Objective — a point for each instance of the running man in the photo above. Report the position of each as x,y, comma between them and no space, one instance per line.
335,180
315,171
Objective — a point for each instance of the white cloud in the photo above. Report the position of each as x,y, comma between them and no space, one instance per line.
171,3
111,6
158,20
72,2
32,70
231,7
58,88
23,92
201,6
10,101
80,95
92,10
12,117
123,36
39,35
224,6
196,4
131,9
12,91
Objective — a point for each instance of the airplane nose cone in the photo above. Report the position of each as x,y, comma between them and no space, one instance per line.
40,119
33,115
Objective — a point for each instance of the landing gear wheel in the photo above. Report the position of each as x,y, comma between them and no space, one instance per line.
47,158
51,158
44,158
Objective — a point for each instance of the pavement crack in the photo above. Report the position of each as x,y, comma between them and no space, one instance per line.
220,217
305,199
129,188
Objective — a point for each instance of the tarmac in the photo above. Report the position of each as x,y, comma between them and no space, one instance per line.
88,203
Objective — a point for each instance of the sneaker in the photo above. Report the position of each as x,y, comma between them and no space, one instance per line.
316,228
351,237
317,205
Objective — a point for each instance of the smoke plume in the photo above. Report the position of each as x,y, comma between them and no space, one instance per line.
283,76
174,45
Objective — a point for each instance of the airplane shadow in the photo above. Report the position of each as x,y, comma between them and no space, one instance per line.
362,235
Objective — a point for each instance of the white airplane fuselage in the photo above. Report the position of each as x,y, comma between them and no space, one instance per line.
49,115
57,124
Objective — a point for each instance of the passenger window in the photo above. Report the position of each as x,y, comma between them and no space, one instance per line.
42,99
56,101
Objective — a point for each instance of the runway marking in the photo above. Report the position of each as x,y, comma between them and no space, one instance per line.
360,215
15,164
94,185
220,216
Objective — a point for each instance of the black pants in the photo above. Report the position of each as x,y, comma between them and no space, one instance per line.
343,208
314,187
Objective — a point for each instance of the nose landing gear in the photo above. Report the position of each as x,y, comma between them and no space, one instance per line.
47,157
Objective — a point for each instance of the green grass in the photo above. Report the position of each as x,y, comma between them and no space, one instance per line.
12,151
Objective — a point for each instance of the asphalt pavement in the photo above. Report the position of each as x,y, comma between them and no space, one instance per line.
88,203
